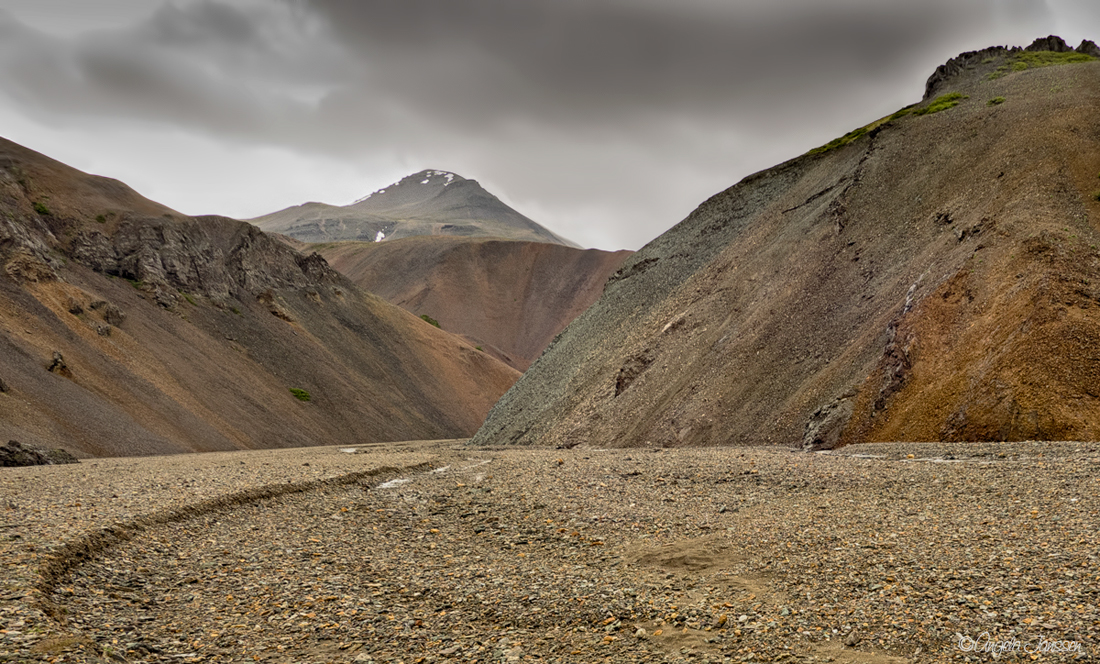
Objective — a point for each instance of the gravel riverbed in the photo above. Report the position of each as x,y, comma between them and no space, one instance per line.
436,552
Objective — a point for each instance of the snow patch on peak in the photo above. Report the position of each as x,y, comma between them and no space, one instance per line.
427,176
447,175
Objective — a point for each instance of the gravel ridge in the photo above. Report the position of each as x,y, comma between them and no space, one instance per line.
882,553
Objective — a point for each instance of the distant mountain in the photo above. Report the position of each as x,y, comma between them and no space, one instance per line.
128,328
426,203
931,276
508,297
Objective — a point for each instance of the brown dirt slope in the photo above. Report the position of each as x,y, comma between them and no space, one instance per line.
509,297
187,334
934,276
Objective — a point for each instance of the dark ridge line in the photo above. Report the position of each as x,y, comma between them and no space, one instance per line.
93,544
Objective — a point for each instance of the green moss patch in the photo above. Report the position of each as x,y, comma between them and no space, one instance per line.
300,394
857,133
1035,59
941,103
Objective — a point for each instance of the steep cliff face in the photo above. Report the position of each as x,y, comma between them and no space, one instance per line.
128,328
508,297
931,276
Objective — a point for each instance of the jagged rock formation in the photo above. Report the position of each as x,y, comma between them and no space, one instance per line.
128,328
509,298
934,275
426,203
977,62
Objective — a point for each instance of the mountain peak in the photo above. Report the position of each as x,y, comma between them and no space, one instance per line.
424,203
433,177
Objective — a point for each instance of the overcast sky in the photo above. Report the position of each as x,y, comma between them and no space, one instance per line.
607,121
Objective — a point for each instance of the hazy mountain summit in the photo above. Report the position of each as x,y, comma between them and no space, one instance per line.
431,202
931,275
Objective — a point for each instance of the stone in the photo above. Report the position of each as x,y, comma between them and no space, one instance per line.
1051,43
27,266
57,364
1089,47
15,454
112,315
271,301
827,423
75,307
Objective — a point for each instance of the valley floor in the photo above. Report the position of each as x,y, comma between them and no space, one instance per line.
437,552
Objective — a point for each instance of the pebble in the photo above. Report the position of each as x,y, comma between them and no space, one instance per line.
563,555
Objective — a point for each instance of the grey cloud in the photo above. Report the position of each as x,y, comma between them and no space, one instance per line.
585,62
579,107
202,24
200,66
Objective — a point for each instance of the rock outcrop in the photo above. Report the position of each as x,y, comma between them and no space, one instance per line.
15,454
986,61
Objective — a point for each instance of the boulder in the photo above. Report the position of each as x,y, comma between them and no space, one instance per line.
58,366
16,454
1089,47
1051,43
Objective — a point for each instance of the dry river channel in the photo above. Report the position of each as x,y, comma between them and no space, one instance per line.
438,552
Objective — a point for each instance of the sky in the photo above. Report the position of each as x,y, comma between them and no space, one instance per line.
607,121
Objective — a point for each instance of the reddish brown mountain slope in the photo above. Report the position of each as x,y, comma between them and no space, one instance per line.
188,334
509,297
932,276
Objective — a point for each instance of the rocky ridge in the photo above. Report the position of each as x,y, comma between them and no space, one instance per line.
971,61
929,276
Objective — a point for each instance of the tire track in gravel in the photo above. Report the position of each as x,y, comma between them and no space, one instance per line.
94,544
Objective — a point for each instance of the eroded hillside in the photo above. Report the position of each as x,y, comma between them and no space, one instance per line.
128,328
934,275
509,298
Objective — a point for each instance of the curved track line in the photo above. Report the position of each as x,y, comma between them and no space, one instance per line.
94,543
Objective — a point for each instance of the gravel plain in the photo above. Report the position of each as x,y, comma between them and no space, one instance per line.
438,552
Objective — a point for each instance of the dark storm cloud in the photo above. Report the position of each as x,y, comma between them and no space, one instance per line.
483,61
620,112
201,65
471,64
